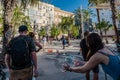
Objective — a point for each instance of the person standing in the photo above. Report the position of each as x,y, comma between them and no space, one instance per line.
32,35
99,54
63,41
84,49
21,57
44,42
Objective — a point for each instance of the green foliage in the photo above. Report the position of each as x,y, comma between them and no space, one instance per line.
19,18
66,23
24,3
54,31
1,29
75,31
42,32
119,16
77,13
104,25
87,13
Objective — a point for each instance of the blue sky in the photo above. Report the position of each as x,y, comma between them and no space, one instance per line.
71,5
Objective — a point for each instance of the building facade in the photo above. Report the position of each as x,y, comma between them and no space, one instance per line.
45,15
58,14
41,14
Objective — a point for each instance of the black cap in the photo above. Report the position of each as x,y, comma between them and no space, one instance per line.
23,28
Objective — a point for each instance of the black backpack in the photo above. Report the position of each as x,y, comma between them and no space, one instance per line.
20,55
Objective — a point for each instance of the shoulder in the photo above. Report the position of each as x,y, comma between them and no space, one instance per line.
83,41
98,57
28,38
13,39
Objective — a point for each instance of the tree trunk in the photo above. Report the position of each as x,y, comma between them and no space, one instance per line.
68,37
98,16
106,37
114,18
6,24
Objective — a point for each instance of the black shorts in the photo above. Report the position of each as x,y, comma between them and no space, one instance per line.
96,69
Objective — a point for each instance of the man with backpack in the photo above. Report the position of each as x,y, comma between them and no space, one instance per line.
21,56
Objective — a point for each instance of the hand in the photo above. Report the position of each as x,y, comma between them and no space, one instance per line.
38,50
36,73
66,67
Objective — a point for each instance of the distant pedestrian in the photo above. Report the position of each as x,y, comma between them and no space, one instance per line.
99,54
32,35
44,39
64,41
84,49
20,56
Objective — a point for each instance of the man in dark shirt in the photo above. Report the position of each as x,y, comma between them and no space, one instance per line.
84,48
24,72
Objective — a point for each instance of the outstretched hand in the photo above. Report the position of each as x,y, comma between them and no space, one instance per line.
66,67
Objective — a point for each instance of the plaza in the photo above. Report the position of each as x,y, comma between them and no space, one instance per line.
49,70
52,21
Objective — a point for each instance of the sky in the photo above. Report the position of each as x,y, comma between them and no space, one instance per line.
71,5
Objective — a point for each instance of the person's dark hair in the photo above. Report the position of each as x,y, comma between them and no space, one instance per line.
86,33
95,43
31,34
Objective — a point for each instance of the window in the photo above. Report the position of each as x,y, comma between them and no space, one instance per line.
43,21
40,7
43,7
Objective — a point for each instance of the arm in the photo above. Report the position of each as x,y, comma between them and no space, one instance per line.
7,60
34,57
94,61
39,45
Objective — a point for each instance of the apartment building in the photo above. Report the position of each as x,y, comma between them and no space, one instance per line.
41,14
45,15
58,13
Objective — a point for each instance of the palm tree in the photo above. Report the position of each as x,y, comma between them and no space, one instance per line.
87,13
78,21
95,3
114,13
8,6
19,18
65,25
105,26
54,31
